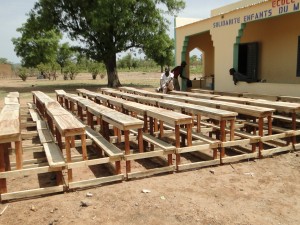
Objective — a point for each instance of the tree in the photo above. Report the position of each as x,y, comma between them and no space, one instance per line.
23,73
4,61
70,71
64,55
95,69
160,49
107,27
36,45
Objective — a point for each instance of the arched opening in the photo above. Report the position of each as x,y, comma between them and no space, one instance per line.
196,64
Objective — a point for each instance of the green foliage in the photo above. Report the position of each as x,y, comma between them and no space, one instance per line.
106,27
49,70
70,71
96,68
36,45
160,49
64,55
4,61
23,73
196,65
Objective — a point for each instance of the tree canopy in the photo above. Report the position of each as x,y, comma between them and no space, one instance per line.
103,28
36,45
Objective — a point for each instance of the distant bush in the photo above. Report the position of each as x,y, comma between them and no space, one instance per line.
23,73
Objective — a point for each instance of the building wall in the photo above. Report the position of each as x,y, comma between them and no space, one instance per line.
275,24
278,44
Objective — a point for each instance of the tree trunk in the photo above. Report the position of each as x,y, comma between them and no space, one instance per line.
112,73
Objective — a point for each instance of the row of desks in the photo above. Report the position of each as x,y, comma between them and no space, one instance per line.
10,131
258,110
62,124
117,118
283,98
217,114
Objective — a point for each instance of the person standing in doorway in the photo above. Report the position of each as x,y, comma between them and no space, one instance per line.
178,71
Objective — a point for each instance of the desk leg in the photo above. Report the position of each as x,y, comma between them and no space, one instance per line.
294,126
155,125
6,155
222,137
189,134
19,161
80,114
69,158
260,133
161,128
269,125
151,131
198,123
232,126
3,187
145,129
177,145
140,140
127,151
105,130
83,145
59,139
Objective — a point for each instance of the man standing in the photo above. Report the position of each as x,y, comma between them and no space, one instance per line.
178,71
166,81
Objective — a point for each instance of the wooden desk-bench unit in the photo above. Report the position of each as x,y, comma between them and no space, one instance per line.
251,111
40,99
67,126
10,131
140,109
155,114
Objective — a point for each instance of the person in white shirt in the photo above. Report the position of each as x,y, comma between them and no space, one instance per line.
166,82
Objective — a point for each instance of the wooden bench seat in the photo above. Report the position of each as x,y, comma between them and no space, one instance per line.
109,148
11,100
289,99
284,118
54,155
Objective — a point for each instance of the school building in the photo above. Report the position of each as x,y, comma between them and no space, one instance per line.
259,38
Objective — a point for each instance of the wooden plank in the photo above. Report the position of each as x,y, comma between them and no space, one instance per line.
192,148
230,159
151,172
289,99
91,162
54,155
144,155
109,148
96,181
32,193
162,144
284,118
273,151
45,136
195,165
41,125
236,142
29,171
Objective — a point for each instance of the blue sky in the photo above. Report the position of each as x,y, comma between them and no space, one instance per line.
13,15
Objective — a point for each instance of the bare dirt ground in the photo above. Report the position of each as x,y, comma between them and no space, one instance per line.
262,191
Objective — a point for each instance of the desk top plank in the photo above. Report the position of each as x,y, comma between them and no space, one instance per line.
168,116
68,125
278,105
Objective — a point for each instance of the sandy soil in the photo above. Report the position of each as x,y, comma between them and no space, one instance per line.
255,192
262,191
